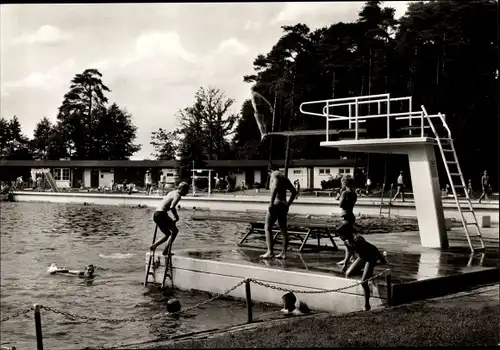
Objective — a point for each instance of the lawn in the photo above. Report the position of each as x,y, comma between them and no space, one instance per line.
408,325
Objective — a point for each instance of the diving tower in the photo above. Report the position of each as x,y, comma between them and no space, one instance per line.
414,133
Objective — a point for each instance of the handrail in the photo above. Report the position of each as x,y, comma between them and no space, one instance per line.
382,97
442,116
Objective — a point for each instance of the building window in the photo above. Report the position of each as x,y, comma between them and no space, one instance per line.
324,171
57,174
170,174
65,174
297,171
341,171
348,171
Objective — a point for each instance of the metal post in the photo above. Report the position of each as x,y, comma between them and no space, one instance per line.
327,120
388,114
411,115
421,124
350,115
209,182
388,280
248,294
356,120
38,327
193,172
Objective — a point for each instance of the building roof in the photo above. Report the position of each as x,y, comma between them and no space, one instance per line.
238,163
89,163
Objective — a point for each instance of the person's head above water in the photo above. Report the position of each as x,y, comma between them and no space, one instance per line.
89,271
183,188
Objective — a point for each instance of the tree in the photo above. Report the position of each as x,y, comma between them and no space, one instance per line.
165,144
114,135
42,139
211,109
14,145
192,150
436,53
81,105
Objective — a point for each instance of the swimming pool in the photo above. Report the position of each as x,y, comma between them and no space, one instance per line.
35,235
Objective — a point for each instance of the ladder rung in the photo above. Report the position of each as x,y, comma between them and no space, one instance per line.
447,150
451,162
455,174
459,186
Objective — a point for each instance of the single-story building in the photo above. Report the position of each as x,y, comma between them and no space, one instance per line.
103,173
95,173
309,172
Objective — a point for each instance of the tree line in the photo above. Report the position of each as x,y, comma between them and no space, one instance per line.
86,127
442,53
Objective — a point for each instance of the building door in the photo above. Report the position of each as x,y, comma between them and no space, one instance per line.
77,177
94,178
250,177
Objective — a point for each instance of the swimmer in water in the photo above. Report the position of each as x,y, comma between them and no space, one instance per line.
278,210
87,273
164,221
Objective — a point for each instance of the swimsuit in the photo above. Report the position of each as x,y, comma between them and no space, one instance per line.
164,222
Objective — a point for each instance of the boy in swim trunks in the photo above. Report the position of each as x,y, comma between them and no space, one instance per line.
368,255
348,199
278,211
164,221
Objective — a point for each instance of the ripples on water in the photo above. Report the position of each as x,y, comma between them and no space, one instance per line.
115,239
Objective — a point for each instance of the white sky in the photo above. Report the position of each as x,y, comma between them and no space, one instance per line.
153,57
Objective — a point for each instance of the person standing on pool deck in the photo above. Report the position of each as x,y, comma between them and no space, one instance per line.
368,255
486,187
164,221
348,199
278,210
148,181
401,187
163,182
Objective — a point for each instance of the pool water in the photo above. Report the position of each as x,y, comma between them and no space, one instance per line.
114,239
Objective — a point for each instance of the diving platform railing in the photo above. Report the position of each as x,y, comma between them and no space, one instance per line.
383,102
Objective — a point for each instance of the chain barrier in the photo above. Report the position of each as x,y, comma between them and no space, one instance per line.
137,319
17,314
317,291
160,315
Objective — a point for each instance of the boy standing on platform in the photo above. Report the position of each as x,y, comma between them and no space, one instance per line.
278,211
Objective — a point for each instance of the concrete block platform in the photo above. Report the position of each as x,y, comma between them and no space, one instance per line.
416,272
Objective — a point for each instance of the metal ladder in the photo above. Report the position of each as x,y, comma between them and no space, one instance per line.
151,263
383,206
446,147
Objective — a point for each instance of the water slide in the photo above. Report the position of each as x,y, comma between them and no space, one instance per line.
51,181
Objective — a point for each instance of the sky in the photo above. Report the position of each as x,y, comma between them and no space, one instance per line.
153,56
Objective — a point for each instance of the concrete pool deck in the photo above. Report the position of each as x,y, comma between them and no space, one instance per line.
417,273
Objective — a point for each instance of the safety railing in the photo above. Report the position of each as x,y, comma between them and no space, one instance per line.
248,296
383,102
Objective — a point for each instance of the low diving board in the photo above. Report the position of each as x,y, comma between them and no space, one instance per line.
311,132
302,230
